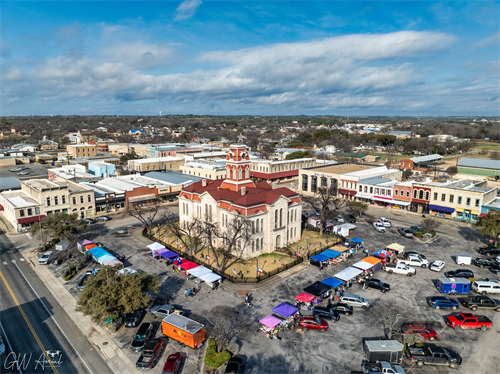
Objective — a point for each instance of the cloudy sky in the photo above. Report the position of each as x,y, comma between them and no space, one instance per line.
250,57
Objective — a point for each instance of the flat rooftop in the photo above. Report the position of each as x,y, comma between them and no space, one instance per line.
72,187
344,168
40,184
157,159
20,199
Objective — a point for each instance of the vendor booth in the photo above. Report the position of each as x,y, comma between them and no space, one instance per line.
333,256
288,312
319,260
197,272
318,289
348,274
113,262
188,265
155,247
169,255
81,245
398,249
357,242
212,280
366,267
383,256
303,301
268,325
90,246
105,258
377,264
332,282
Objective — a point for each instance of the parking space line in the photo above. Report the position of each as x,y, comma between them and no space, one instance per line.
21,259
5,262
13,261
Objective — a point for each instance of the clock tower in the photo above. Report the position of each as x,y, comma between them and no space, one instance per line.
237,168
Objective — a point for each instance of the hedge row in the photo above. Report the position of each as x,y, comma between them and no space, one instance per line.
214,359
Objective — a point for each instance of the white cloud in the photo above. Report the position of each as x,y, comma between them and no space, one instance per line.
186,9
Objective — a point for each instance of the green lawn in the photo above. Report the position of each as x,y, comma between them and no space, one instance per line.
491,146
383,156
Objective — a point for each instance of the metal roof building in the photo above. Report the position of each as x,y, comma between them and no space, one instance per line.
478,166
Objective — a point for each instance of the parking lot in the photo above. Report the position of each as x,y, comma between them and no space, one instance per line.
35,170
340,349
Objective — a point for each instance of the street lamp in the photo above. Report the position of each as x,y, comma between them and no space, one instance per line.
307,242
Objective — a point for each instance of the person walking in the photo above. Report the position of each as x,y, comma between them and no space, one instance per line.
186,293
191,292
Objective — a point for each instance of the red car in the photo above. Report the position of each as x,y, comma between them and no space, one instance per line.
313,323
424,332
172,364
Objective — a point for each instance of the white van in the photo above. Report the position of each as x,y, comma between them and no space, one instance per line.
484,287
46,257
384,221
355,300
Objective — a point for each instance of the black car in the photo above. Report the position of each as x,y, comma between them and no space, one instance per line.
414,229
495,269
326,313
81,284
151,354
142,336
133,319
352,219
341,308
235,366
377,284
489,251
484,262
460,273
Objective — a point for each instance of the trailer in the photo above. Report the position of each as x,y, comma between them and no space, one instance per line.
464,259
184,330
453,285
384,350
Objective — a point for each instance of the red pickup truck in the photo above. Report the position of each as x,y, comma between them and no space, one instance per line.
468,321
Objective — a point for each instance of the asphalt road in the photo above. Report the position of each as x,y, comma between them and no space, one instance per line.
36,326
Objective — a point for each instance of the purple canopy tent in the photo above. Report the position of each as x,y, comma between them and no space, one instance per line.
285,310
270,321
168,254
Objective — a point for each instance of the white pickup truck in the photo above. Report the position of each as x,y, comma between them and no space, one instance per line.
414,260
382,367
399,268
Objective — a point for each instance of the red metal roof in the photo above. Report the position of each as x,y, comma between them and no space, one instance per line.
30,219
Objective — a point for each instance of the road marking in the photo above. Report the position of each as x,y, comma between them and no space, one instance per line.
13,261
22,259
29,324
11,350
5,262
53,319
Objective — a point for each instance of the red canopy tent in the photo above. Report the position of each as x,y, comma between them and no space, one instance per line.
305,297
90,246
188,265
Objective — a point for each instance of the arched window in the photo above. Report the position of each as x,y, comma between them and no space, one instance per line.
278,241
228,173
427,195
421,194
281,217
240,174
262,224
253,245
257,245
414,194
276,219
247,173
210,213
261,244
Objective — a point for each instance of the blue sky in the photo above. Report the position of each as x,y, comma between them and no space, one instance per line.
250,57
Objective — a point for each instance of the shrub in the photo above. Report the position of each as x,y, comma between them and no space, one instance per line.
433,233
422,230
418,234
214,359
115,324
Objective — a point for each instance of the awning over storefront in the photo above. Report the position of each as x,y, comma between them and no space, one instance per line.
476,212
459,210
1,207
441,208
390,201
347,192
482,215
142,198
23,221
364,196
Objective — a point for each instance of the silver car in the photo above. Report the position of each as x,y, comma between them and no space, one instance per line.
379,226
340,218
355,301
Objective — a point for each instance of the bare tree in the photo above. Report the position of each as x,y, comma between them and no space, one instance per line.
412,339
430,224
483,151
226,324
452,170
190,235
389,316
146,214
326,201
227,239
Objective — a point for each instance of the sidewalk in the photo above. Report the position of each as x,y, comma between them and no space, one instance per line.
117,361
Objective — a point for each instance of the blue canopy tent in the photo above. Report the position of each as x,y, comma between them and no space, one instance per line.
330,253
318,260
105,258
332,282
356,240
97,252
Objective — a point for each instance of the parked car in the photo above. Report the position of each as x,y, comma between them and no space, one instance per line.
497,259
484,287
411,253
460,273
414,260
133,319
172,364
340,218
482,262
313,323
2,346
495,269
46,257
143,335
102,218
407,233
384,221
424,332
489,251
235,366
437,265
431,354
15,169
23,173
355,300
151,354
88,221
352,218
81,284
341,308
162,311
414,229
399,268
379,226
381,367
438,302
376,284
468,321
481,302
326,313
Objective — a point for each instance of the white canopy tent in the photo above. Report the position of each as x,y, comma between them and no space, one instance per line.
210,277
199,271
348,274
363,265
155,246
